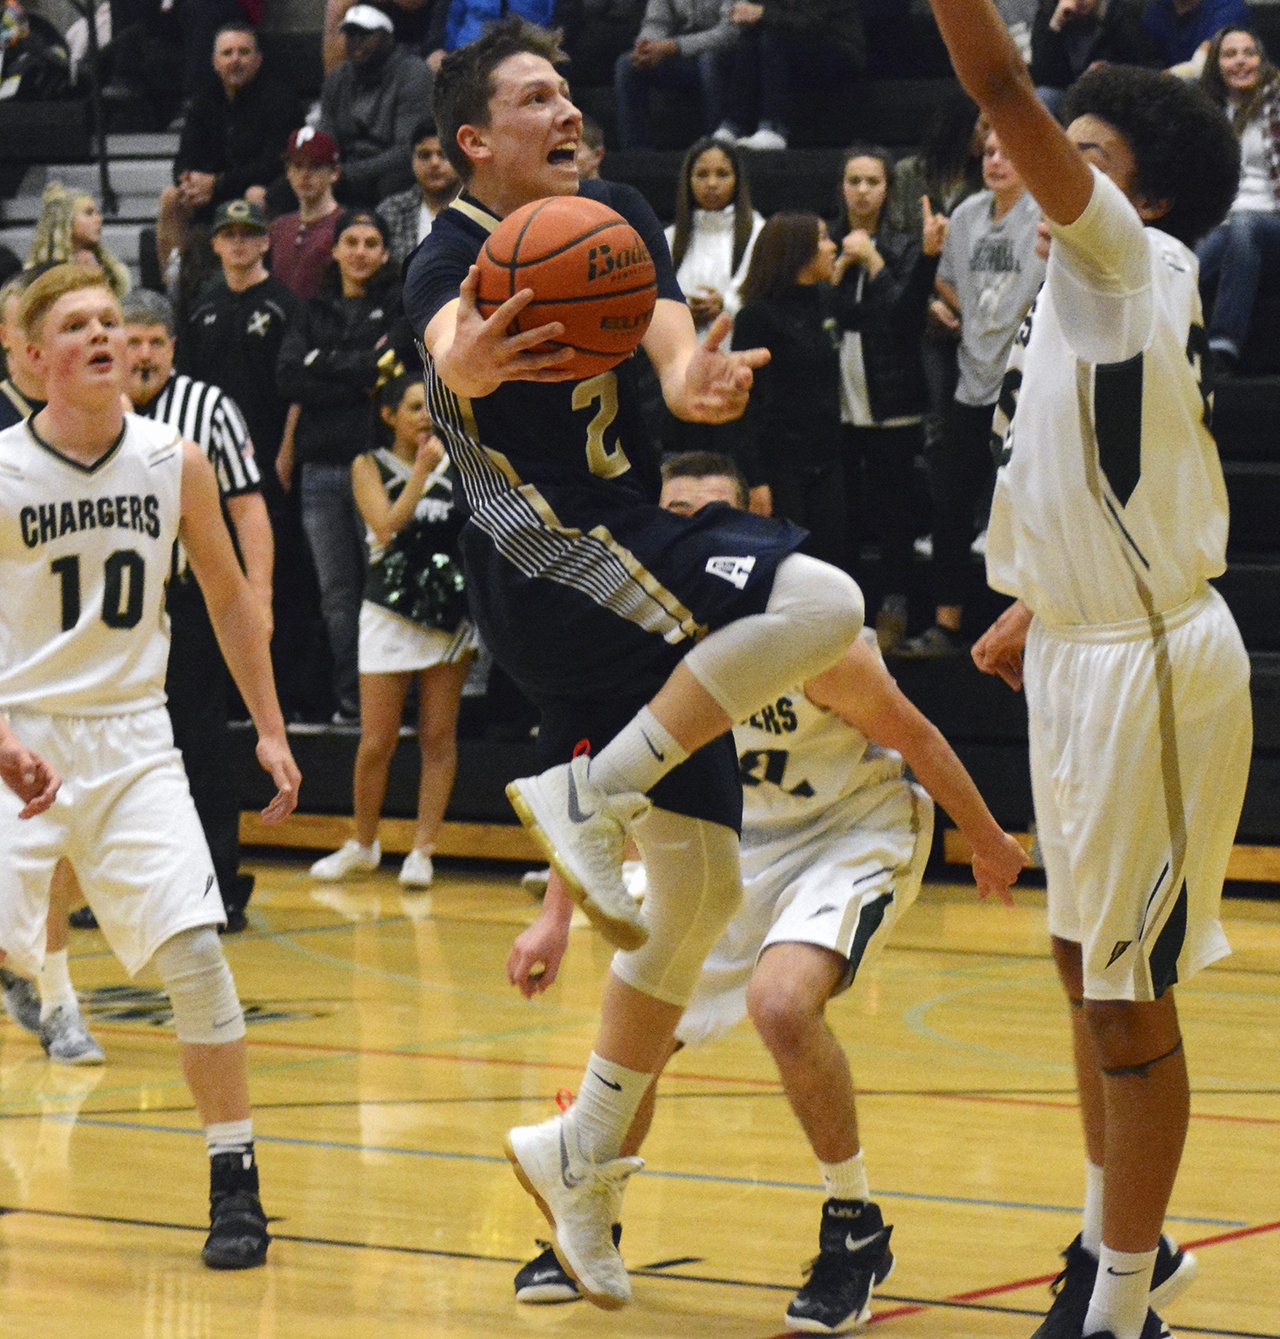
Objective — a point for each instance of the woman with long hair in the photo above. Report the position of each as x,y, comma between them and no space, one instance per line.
1237,255
70,229
790,434
330,362
884,277
412,626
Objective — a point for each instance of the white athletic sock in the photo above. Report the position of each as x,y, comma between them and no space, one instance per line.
637,757
608,1098
1091,1227
55,985
229,1136
846,1180
1120,1296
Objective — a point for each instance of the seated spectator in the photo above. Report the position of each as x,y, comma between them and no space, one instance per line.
371,103
883,280
418,25
231,142
790,433
785,47
70,229
329,365
410,214
682,45
1243,253
302,242
987,280
590,149
596,33
413,625
1182,29
1071,35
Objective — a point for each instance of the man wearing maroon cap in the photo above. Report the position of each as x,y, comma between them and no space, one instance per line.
302,243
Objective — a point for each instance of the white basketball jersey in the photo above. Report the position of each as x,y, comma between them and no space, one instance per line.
804,769
84,555
1109,504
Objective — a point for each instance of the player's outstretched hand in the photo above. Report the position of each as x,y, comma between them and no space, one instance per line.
996,870
483,354
999,649
27,774
718,381
277,761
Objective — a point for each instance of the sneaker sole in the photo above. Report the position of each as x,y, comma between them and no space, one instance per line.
621,933
602,1300
849,1323
80,1061
1176,1283
548,1293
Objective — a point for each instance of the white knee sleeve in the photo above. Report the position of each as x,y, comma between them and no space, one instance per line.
694,888
814,613
206,1008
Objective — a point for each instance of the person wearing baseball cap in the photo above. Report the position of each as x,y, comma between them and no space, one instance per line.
370,105
302,242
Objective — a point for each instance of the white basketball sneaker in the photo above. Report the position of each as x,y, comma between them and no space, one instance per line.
582,832
350,858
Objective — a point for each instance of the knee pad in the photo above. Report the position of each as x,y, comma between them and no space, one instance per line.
202,992
694,889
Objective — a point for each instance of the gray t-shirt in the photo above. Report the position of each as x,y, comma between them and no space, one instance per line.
997,274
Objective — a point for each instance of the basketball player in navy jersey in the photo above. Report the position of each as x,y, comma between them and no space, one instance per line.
646,634
1109,519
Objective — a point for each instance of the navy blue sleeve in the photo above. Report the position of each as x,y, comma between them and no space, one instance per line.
639,213
434,274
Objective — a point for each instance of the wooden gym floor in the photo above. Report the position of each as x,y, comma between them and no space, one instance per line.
389,1055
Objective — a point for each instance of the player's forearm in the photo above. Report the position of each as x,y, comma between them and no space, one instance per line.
257,546
240,623
943,775
984,56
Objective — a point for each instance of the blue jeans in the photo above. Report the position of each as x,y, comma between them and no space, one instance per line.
336,540
696,76
1238,254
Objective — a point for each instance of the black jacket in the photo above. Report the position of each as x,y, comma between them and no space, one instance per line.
1059,59
890,318
242,141
329,366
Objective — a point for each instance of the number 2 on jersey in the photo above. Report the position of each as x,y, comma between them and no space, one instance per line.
121,607
603,461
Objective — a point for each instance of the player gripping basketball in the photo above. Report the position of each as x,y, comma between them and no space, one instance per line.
646,634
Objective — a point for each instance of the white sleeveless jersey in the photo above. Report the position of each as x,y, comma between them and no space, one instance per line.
804,770
84,555
1110,504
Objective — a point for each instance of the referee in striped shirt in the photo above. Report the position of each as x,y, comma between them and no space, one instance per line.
207,416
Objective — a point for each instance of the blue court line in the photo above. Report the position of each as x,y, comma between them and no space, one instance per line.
704,1177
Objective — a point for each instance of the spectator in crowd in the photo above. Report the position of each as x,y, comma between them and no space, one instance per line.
590,153
70,229
371,103
597,32
682,45
790,434
414,22
329,365
1243,252
231,141
1071,35
196,681
302,242
1182,29
782,47
883,280
412,624
987,279
948,167
410,214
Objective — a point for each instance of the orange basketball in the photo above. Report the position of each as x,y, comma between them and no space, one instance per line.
588,268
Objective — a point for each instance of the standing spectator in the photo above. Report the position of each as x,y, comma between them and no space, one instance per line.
790,433
1243,252
782,47
1182,29
70,229
302,242
884,278
231,142
410,214
329,365
682,45
196,681
416,24
1069,36
988,277
412,624
597,32
371,103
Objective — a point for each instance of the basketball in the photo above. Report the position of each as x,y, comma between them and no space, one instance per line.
588,268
